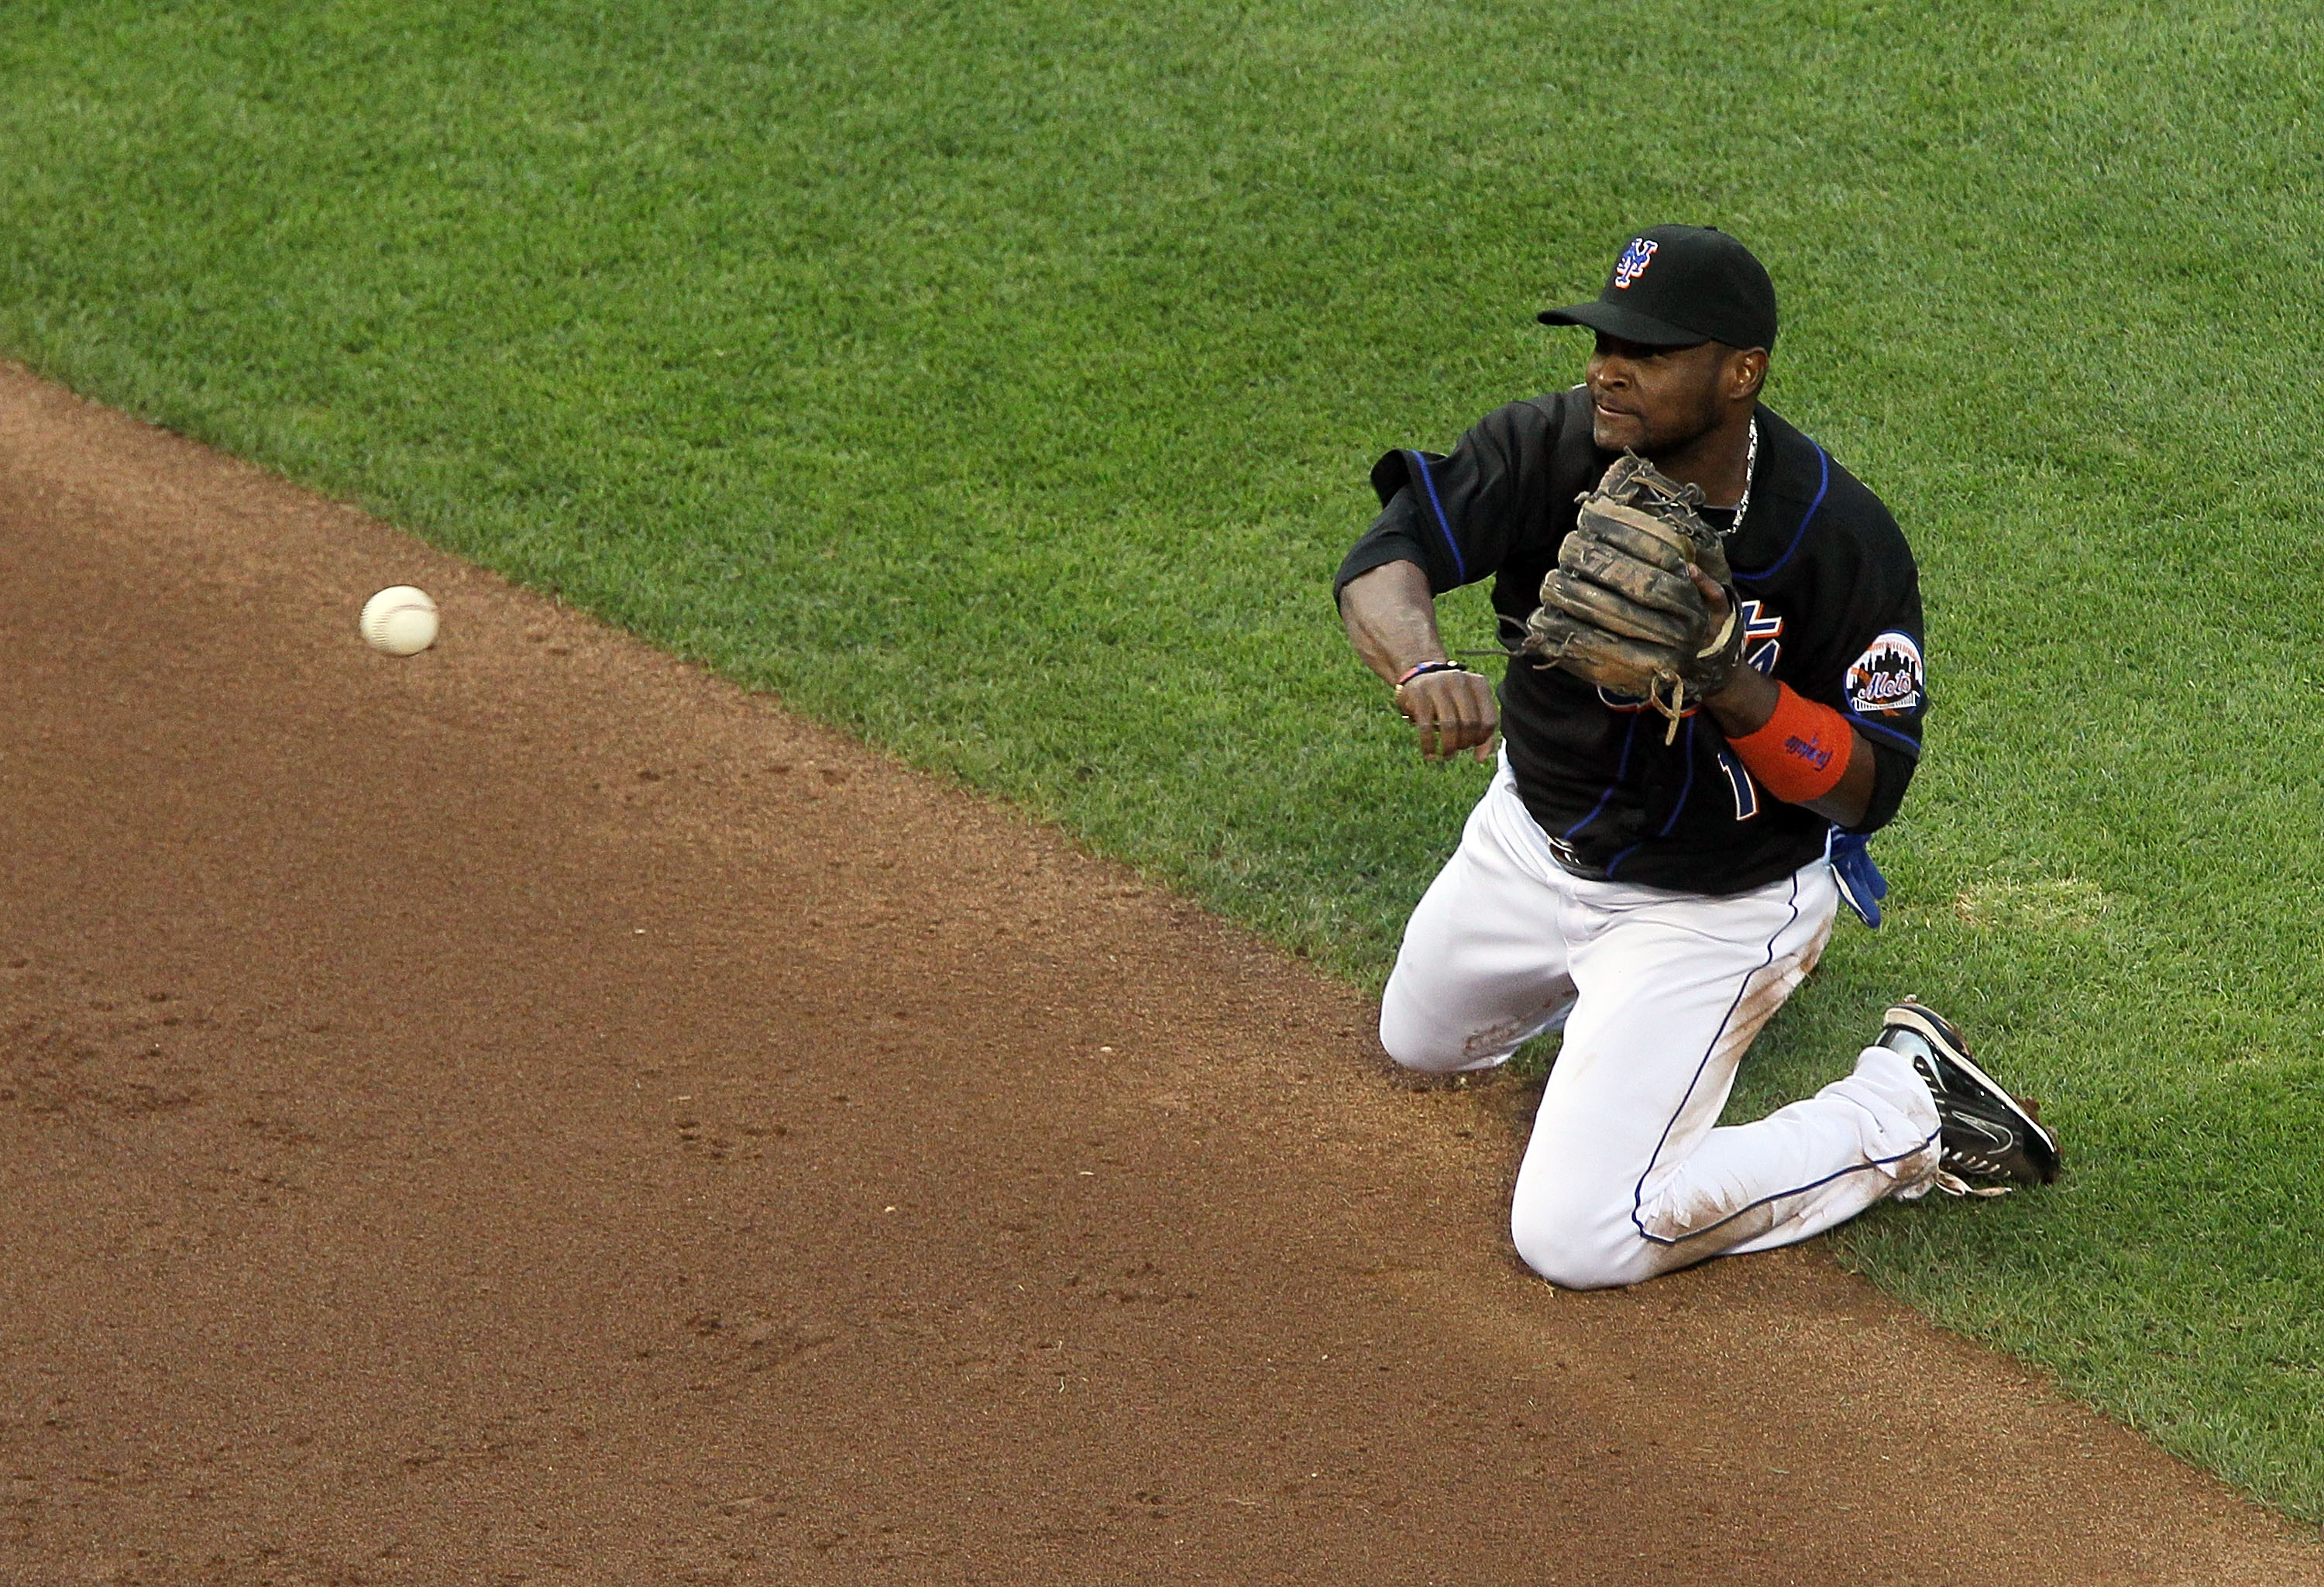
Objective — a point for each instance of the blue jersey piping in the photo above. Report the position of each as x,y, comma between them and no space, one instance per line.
1904,741
1823,483
1677,810
1685,788
1621,770
1428,483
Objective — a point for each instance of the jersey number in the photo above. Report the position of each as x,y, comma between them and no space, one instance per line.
1738,781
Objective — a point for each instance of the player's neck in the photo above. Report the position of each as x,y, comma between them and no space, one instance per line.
1716,460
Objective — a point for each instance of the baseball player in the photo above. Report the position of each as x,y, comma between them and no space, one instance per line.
1717,693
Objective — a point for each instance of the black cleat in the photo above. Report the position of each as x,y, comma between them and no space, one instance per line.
1988,1133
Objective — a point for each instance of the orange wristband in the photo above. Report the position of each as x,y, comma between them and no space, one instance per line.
1803,751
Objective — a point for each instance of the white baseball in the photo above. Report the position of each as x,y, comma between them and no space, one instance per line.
400,621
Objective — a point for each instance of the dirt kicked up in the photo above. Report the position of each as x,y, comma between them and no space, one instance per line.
534,1112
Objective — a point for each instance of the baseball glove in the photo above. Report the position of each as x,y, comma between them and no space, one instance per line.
1620,610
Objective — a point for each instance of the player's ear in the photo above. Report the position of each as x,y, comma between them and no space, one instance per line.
1746,371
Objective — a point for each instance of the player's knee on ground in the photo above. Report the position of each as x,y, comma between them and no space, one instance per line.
1571,1257
1418,1042
1579,1237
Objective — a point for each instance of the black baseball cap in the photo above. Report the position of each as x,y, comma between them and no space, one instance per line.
1676,285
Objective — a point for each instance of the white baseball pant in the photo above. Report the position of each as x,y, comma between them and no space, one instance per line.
1627,1174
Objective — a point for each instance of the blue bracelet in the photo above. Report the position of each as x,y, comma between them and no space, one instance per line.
1422,668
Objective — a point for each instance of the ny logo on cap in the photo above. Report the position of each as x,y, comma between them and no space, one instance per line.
1634,260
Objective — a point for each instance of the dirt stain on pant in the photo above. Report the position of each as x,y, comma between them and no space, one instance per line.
1693,1206
1498,1040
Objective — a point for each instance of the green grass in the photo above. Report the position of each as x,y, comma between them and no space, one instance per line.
999,380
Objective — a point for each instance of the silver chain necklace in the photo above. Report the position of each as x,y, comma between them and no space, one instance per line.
1750,468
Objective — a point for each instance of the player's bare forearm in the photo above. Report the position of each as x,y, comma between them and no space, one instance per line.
1744,707
1390,616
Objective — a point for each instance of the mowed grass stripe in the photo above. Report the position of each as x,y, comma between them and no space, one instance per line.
1000,381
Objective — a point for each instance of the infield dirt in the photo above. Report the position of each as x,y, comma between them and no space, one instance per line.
535,1112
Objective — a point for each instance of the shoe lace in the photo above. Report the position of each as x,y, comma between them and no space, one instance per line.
1952,1184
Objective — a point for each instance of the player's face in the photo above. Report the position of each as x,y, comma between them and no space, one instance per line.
1652,399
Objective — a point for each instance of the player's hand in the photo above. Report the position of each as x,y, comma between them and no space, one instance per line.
1453,711
1713,595
1748,689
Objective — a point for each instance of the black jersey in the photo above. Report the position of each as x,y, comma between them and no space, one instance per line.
1831,603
